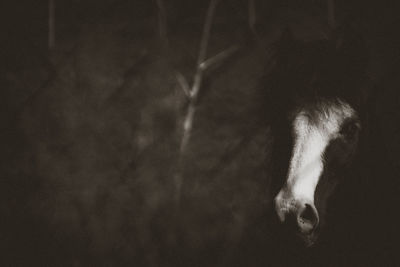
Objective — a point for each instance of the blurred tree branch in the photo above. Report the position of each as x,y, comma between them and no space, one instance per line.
198,77
193,92
331,13
162,20
252,16
183,83
205,65
51,33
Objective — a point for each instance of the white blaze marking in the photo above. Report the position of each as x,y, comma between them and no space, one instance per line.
310,141
306,164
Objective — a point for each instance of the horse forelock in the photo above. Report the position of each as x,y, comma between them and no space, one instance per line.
324,113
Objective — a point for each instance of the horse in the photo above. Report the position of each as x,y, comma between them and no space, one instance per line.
318,102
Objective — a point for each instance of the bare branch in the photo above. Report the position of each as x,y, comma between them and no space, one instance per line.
193,94
187,127
218,57
183,83
162,20
252,16
331,14
203,48
51,33
206,31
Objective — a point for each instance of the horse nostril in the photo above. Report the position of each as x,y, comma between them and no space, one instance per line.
308,218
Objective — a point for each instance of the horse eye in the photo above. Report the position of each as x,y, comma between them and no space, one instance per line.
349,130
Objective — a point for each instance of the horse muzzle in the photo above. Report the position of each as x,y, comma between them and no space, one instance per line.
299,215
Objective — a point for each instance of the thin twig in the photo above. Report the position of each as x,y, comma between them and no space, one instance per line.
252,16
51,26
188,121
162,20
203,47
193,95
331,13
183,83
218,57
